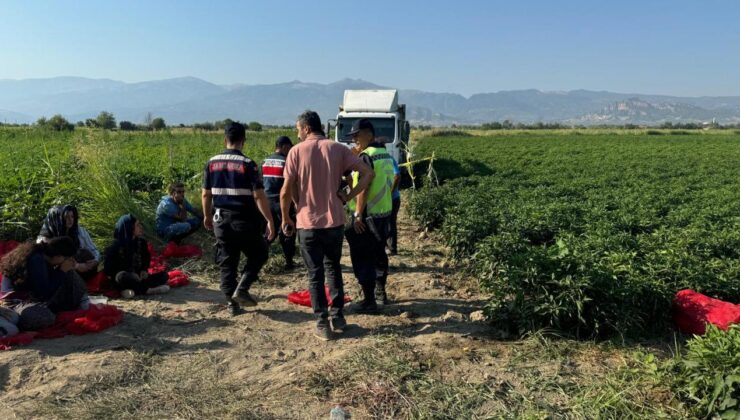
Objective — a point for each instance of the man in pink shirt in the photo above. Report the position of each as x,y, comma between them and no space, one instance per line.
313,174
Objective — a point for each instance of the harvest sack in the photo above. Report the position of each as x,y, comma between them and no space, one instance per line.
303,297
93,320
692,311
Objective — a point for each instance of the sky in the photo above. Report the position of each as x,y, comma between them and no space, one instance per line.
674,47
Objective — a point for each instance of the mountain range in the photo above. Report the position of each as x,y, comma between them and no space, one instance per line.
188,100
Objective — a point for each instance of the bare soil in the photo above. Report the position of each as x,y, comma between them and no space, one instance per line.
181,355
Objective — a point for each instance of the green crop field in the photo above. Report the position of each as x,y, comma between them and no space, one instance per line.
590,234
578,241
105,173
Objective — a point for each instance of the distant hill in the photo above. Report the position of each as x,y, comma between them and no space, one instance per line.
637,111
188,100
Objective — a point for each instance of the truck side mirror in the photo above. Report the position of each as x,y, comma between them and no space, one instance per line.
329,124
406,131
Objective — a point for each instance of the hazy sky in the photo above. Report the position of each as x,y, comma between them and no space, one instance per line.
670,46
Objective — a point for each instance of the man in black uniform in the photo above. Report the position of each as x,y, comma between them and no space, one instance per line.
233,198
273,179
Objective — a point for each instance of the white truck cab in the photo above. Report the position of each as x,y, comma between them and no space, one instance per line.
381,107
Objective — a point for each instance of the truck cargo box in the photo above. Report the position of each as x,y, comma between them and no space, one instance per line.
370,100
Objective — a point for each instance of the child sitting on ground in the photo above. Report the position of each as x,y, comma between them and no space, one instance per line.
127,261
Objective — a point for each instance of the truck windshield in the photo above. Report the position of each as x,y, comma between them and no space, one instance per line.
385,128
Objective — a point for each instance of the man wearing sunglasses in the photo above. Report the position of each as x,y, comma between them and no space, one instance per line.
173,223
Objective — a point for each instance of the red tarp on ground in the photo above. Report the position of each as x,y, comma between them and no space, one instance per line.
7,246
100,284
93,320
173,250
158,263
692,311
177,278
303,297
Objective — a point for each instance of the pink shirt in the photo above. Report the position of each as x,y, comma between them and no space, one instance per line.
316,166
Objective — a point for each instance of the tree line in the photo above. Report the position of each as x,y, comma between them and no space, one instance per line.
107,121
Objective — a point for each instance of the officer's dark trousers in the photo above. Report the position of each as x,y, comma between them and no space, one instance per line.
237,234
393,226
287,243
322,250
369,260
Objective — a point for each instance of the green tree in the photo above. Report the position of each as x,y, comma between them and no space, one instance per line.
492,126
206,126
254,126
220,125
158,124
92,123
148,119
106,120
59,123
126,126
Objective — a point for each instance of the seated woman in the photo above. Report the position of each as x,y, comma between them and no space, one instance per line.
39,281
127,261
173,223
64,221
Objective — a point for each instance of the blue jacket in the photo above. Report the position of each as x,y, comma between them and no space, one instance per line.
167,212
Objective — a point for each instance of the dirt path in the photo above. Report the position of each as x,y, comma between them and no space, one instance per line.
266,353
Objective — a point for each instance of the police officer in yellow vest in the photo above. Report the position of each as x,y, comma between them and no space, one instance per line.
371,210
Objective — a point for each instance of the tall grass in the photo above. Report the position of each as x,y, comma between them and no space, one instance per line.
106,193
104,173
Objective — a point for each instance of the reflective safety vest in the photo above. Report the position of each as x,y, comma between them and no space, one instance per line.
379,199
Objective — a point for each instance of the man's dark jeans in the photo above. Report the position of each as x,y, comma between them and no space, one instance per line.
322,250
236,235
287,243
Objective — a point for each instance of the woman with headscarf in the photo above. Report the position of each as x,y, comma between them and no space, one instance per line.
64,221
39,281
127,261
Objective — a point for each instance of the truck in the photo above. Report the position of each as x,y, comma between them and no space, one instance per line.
381,107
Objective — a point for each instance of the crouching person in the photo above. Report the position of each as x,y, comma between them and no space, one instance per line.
173,223
127,261
39,281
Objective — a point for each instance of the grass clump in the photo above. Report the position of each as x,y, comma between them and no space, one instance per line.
708,375
107,195
390,379
150,386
